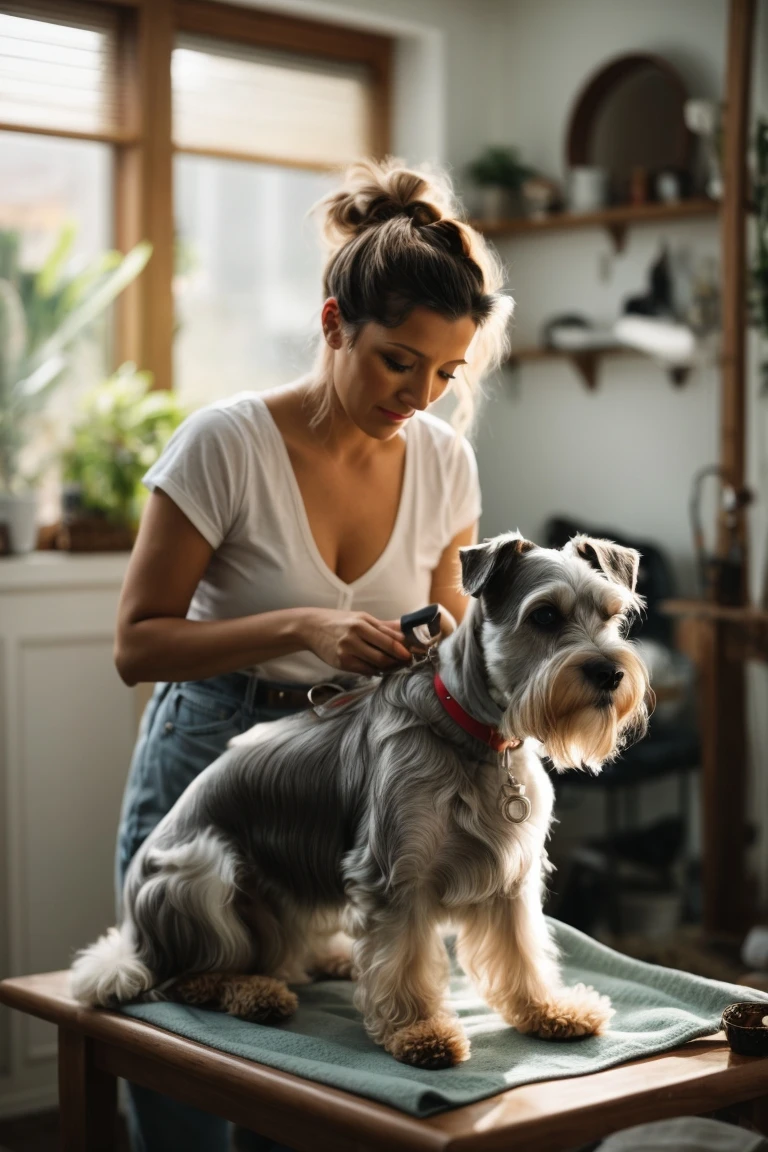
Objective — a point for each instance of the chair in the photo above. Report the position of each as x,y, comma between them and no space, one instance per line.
671,748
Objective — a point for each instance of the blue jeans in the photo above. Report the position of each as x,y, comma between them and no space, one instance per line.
184,728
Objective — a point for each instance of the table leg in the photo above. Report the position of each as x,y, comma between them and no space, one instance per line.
759,1115
87,1097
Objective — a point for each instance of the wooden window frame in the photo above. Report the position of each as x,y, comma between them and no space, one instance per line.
143,143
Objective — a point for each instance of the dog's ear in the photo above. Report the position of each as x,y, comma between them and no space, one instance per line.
480,561
614,561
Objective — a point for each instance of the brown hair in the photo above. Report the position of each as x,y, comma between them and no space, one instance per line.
396,242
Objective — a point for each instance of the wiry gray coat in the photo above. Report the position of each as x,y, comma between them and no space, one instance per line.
383,817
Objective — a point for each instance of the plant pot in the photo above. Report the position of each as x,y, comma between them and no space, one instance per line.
494,203
18,521
84,533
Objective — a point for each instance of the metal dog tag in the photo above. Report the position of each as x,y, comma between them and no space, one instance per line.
515,805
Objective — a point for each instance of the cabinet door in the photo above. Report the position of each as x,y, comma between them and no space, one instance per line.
67,729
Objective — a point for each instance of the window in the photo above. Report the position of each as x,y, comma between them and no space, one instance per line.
56,194
248,275
207,129
257,133
57,81
57,67
257,103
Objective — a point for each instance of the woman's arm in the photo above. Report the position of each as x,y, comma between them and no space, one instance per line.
155,641
446,582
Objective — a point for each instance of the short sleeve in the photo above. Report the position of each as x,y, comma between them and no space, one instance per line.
202,470
466,503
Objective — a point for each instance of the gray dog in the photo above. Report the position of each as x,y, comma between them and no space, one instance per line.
409,806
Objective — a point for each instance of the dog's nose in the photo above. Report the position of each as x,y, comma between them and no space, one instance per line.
603,674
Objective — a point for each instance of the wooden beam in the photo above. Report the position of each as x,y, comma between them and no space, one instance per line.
144,189
724,766
734,260
723,689
282,32
127,202
108,136
255,158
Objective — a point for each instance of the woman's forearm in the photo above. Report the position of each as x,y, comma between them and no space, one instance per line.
169,648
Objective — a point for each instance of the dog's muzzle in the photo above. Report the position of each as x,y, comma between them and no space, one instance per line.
602,674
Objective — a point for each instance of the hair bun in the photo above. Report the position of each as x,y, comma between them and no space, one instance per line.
422,214
375,192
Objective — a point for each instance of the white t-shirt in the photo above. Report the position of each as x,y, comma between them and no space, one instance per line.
228,470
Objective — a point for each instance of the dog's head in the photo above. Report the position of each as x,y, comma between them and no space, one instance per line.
553,635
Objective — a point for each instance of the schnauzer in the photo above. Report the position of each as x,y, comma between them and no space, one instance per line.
401,808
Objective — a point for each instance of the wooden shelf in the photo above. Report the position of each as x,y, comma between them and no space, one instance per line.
708,610
616,220
585,361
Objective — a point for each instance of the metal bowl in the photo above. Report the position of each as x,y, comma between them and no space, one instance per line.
746,1027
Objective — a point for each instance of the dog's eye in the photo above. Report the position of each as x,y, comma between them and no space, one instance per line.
545,617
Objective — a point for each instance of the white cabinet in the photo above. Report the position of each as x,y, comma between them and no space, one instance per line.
67,728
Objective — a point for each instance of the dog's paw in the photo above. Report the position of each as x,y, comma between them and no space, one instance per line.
260,999
439,1042
571,1012
201,991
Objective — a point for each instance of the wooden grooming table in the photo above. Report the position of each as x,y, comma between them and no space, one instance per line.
96,1047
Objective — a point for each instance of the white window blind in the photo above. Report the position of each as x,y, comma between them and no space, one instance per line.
58,68
278,107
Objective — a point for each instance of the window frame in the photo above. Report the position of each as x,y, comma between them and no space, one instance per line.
142,142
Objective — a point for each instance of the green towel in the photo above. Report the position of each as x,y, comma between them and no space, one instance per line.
656,1009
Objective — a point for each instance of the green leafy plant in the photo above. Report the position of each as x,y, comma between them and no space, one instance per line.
500,166
123,428
42,313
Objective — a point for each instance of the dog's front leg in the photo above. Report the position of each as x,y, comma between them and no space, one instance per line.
402,983
506,947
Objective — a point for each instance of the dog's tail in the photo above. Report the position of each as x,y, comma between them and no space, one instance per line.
110,971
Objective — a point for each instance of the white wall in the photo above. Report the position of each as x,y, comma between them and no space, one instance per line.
509,71
624,455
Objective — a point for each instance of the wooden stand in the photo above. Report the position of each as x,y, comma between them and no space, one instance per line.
725,636
96,1047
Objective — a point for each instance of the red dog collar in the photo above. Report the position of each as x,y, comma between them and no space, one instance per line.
485,732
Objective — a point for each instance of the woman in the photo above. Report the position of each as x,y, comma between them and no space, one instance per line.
288,531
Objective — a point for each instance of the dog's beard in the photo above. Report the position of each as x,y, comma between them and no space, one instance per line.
578,725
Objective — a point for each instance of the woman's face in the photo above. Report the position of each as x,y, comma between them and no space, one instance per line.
390,373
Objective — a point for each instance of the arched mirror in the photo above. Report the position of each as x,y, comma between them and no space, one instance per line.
630,117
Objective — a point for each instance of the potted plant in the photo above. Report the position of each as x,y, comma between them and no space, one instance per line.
500,176
42,313
123,428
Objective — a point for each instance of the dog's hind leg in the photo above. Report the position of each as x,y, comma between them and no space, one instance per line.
331,958
260,999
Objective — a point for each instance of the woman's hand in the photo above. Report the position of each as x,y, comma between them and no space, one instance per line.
355,641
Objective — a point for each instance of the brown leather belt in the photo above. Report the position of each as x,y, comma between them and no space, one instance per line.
290,699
